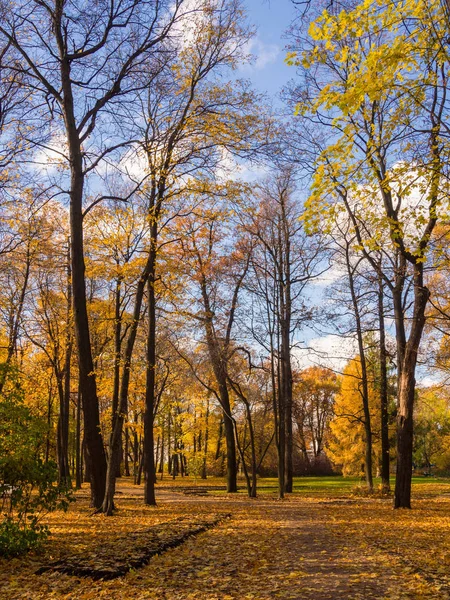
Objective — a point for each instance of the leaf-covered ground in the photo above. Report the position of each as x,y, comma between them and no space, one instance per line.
311,546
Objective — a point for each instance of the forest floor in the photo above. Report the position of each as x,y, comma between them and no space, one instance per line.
320,543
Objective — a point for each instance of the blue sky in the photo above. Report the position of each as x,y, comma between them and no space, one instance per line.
272,18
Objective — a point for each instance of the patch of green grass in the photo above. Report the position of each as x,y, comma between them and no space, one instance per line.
337,485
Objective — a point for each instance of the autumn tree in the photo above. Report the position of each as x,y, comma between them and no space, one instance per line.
50,328
216,260
313,398
348,443
284,262
371,89
189,120
431,429
83,59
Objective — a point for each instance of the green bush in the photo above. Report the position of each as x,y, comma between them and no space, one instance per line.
29,487
15,540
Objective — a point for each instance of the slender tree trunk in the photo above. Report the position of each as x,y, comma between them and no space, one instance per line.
78,465
253,450
49,421
384,412
61,448
135,457
64,406
406,393
219,369
117,353
287,397
205,443
281,443
230,440
141,465
161,456
122,409
15,324
364,374
126,460
285,305
92,432
219,440
150,388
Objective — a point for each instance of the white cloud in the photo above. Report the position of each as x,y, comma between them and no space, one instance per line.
263,54
190,18
428,381
333,274
332,351
53,156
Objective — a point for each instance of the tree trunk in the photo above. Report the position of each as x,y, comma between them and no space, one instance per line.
49,421
122,407
406,393
285,317
78,465
230,441
384,412
205,443
150,388
64,407
126,460
117,352
15,324
92,433
219,369
364,374
62,450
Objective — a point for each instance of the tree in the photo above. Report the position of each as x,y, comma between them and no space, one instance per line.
28,484
187,120
283,263
314,392
348,444
216,259
369,61
83,69
431,429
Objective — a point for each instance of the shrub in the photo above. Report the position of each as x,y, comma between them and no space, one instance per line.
29,487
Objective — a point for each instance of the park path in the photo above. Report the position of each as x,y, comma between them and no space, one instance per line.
294,549
297,549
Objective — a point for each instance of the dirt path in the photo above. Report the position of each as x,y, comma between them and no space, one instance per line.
296,549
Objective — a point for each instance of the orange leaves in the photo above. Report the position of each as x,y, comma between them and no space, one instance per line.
304,547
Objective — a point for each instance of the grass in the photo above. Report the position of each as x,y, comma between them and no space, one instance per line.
309,485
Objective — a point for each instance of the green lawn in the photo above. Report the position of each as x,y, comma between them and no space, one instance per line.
332,485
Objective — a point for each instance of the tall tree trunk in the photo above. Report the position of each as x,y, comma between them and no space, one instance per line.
64,406
117,353
285,305
49,421
281,446
384,412
150,388
287,408
78,464
126,459
92,432
161,456
253,450
364,373
406,392
205,443
229,438
218,363
122,407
